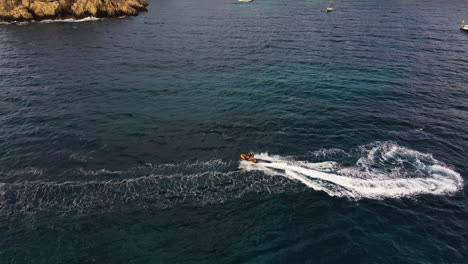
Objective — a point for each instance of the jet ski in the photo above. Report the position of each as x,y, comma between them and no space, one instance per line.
245,157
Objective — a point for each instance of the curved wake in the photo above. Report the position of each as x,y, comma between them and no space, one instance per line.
383,170
380,170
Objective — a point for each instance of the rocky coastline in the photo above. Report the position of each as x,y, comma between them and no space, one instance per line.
36,10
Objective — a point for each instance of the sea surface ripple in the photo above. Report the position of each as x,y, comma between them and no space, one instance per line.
120,138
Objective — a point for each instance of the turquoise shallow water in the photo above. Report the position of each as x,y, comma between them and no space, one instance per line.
120,138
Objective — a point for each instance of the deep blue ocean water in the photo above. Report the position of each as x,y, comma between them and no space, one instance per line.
120,138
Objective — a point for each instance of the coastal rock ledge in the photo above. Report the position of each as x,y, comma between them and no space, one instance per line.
27,10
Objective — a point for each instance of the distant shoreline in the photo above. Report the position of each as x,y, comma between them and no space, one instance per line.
17,11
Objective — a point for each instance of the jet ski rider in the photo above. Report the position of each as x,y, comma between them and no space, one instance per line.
250,156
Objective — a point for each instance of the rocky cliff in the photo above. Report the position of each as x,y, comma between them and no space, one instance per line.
26,10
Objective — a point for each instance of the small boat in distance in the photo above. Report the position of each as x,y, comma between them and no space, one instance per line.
464,26
245,1
329,9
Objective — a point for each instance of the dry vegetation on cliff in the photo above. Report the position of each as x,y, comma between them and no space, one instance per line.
26,10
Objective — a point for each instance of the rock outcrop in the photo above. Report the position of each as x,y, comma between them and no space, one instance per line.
27,10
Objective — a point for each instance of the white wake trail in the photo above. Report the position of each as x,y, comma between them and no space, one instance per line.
384,170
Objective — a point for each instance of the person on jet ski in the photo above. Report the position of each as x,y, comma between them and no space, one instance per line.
250,156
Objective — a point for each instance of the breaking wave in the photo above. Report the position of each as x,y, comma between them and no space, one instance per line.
70,20
383,170
46,21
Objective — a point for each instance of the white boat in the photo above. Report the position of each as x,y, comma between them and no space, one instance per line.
245,1
464,26
329,9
